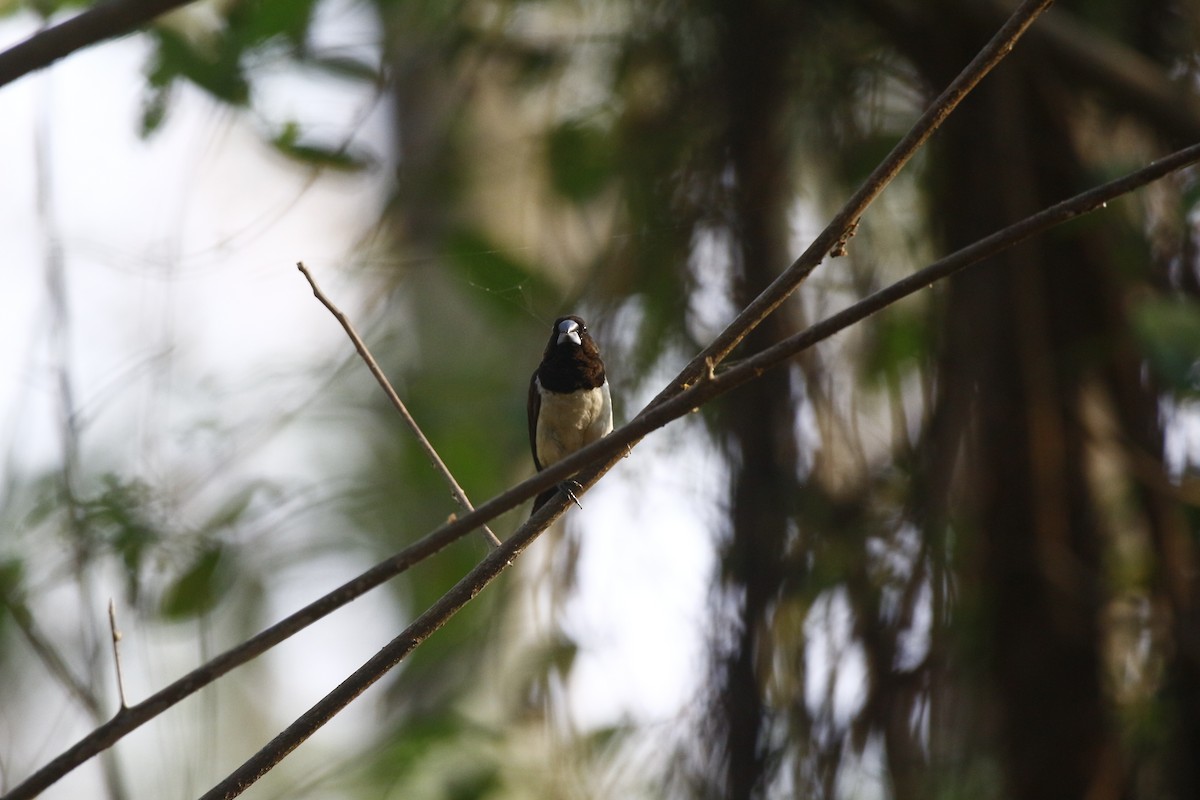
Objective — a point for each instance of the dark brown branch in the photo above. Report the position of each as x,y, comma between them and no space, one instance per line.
397,403
392,654
609,451
104,21
135,716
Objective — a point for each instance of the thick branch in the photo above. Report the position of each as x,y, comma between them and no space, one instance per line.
104,21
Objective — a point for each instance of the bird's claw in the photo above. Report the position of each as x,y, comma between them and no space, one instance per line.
565,487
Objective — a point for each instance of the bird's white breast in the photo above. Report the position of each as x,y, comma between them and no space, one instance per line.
568,422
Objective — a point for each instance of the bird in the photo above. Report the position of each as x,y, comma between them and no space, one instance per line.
570,405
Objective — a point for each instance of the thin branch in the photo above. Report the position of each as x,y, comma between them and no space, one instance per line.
116,648
133,717
392,654
373,365
104,21
607,452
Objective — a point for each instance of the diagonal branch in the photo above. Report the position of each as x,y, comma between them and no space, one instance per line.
103,21
607,452
389,656
397,403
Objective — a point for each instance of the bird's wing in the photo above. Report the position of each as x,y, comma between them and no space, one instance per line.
534,406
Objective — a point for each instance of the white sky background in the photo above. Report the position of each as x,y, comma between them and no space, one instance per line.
184,246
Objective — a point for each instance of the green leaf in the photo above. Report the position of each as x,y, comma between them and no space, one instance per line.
347,67
119,517
232,510
409,747
198,590
255,22
216,68
43,8
155,105
1169,332
896,339
344,158
580,161
473,783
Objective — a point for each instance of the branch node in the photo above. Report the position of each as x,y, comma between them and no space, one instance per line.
839,248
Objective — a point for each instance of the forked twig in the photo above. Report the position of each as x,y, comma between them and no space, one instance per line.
373,365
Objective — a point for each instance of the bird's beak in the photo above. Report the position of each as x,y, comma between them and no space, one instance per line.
569,329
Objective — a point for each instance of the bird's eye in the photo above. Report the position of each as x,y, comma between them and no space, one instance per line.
583,329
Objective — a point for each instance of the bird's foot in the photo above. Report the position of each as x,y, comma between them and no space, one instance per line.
566,488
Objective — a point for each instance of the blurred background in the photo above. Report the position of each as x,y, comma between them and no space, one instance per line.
950,553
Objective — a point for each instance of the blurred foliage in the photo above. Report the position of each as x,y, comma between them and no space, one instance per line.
288,142
1169,332
556,156
201,586
579,160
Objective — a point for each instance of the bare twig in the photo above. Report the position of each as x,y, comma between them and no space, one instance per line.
103,21
116,648
607,452
373,365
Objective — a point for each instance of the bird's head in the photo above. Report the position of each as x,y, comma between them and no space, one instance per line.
570,341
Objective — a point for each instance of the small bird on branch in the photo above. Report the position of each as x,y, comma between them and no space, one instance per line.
569,402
